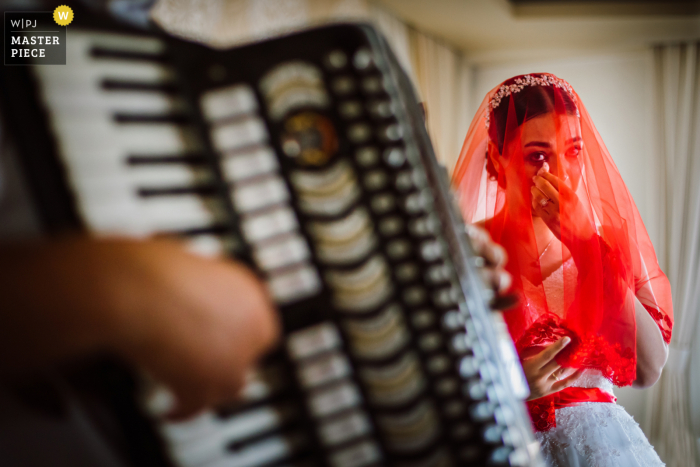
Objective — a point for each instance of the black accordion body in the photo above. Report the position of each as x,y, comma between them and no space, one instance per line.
305,157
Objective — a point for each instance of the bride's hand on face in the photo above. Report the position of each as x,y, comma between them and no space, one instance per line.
550,187
544,375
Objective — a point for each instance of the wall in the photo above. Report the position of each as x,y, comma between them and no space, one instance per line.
616,90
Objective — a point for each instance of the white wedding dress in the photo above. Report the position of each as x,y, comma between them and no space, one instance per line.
592,434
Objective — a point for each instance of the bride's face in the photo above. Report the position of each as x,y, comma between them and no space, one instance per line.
552,138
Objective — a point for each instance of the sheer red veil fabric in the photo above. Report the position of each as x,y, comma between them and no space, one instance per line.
604,247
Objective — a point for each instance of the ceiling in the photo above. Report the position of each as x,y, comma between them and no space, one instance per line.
492,30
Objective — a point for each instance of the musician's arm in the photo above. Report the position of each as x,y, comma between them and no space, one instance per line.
195,324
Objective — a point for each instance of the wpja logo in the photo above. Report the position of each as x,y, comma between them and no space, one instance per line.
36,38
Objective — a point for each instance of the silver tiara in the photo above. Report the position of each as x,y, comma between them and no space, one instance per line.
520,83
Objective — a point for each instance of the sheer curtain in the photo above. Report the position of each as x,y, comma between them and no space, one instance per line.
677,113
445,80
442,77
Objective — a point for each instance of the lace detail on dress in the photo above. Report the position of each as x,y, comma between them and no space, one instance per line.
593,434
594,379
616,363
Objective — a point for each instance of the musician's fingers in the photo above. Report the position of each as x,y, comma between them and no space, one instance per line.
548,354
568,381
498,279
504,302
189,402
493,253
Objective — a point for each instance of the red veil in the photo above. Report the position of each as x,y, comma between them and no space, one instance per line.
605,250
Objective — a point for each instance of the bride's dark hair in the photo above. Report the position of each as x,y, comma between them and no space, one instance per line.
528,103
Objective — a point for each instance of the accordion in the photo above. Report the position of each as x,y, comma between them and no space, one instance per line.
306,157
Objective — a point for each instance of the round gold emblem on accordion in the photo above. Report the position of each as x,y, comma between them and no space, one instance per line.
309,138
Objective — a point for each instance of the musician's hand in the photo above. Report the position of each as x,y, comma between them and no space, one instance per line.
495,258
194,324
544,375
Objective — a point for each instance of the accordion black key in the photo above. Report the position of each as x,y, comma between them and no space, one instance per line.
306,157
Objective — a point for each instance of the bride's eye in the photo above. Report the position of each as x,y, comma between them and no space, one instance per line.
573,152
537,157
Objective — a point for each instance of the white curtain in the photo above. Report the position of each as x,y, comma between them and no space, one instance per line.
677,110
444,78
398,34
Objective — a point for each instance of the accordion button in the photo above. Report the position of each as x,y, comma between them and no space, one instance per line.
459,344
269,224
359,133
482,411
446,297
289,286
424,226
348,427
519,457
430,342
373,85
431,250
462,431
504,415
398,249
359,455
239,166
382,203
335,399
438,274
453,320
416,203
446,387
404,181
367,156
501,456
375,180
476,390
350,109
468,367
314,340
381,109
343,85
453,409
336,60
512,437
323,370
363,60
422,319
438,364
395,157
493,434
414,296
406,272
228,102
391,132
390,226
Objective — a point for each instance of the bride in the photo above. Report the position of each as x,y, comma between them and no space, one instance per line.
595,309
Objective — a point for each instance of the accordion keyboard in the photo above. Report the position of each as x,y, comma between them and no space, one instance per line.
308,168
